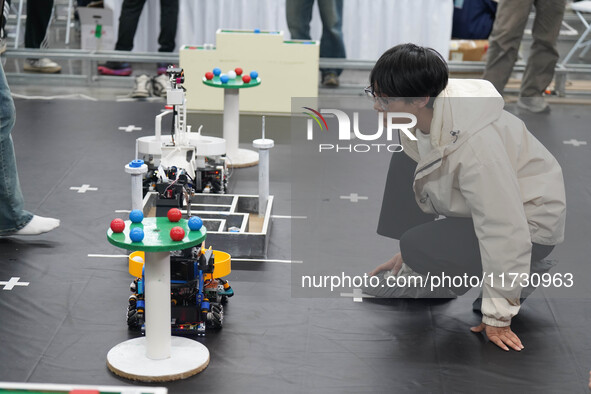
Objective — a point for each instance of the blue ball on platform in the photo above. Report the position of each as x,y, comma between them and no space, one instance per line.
195,223
136,216
136,234
254,74
257,31
217,71
224,78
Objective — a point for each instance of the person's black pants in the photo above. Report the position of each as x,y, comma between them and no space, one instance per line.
427,245
130,16
38,16
4,8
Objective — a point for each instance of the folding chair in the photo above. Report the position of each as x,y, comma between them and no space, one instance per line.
580,8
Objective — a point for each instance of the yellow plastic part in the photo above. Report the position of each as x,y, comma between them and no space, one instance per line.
136,263
221,267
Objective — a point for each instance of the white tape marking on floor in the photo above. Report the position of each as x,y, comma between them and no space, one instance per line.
269,261
357,295
353,197
130,128
574,142
14,281
64,96
83,188
288,217
109,256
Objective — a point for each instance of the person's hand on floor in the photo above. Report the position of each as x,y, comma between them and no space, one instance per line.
394,265
500,336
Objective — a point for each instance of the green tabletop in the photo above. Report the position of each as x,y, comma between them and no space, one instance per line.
156,236
236,83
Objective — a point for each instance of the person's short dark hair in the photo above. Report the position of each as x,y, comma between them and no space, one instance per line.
410,71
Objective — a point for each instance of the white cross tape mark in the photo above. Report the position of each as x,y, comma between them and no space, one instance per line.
357,295
14,281
353,197
83,188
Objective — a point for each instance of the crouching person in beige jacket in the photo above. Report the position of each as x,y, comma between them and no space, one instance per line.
497,192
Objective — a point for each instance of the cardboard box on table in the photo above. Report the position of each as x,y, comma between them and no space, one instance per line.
468,50
91,20
287,69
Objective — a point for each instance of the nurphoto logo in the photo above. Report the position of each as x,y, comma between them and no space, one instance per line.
346,132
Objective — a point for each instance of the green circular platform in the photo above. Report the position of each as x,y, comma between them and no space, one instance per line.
236,83
157,236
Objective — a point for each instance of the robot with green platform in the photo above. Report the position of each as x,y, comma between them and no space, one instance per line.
197,288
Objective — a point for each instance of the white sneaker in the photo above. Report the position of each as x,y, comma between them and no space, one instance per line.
535,104
160,84
43,65
412,285
142,87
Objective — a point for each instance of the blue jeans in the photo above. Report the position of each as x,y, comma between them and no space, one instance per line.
12,215
299,15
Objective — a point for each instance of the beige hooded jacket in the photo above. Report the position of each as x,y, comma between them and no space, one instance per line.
485,164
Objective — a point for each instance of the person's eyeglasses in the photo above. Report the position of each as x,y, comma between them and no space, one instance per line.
383,101
369,92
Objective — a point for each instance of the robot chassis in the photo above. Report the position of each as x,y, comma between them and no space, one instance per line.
197,297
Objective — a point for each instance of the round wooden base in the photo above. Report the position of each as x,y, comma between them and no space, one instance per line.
128,360
243,158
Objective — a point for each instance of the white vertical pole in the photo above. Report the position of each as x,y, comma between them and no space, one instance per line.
263,180
263,145
136,192
158,315
136,169
231,121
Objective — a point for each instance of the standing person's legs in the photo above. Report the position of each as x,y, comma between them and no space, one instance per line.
504,40
14,220
12,215
128,20
4,9
332,44
299,15
169,13
543,55
39,14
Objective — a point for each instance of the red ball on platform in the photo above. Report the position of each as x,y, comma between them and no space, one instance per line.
174,214
246,79
238,71
177,233
209,75
117,225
